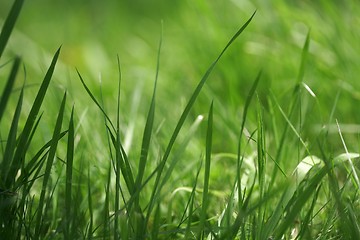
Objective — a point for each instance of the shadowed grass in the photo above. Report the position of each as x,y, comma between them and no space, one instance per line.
52,151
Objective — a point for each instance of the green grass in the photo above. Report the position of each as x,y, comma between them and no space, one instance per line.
248,130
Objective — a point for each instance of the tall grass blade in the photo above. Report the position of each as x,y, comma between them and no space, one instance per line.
146,138
184,116
148,126
188,231
8,87
9,24
205,196
49,163
239,158
90,204
11,141
24,137
69,176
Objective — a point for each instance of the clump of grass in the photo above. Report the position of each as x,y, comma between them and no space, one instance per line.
55,193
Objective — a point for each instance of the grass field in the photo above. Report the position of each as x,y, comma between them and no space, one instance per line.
179,120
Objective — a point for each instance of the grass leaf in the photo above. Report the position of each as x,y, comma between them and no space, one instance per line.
8,87
205,196
9,24
69,175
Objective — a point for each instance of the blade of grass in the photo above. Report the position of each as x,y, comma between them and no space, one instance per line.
8,87
95,101
9,24
205,196
24,138
188,231
11,141
69,174
146,141
49,163
183,118
353,171
239,158
90,204
304,55
148,127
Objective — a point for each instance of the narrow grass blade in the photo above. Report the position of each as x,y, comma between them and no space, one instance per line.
353,171
24,138
292,127
119,165
9,24
205,196
49,163
239,158
11,141
156,224
69,175
146,138
90,204
107,205
188,231
184,116
94,100
149,126
8,87
304,54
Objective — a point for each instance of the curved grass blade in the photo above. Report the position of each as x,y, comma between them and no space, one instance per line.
9,24
49,163
94,100
183,117
8,87
24,137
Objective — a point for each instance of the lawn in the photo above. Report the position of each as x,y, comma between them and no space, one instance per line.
179,120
